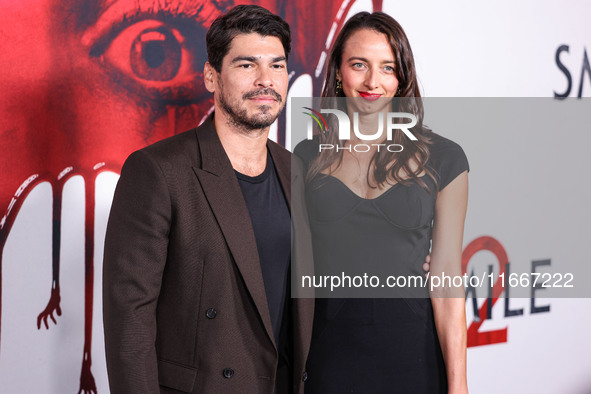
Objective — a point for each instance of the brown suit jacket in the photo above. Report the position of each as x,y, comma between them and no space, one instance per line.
184,303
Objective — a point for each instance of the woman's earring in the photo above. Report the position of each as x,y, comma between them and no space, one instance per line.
339,88
398,92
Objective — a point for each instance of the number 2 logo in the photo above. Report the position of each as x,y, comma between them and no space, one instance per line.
476,337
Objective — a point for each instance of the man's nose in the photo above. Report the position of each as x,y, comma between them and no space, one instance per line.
264,78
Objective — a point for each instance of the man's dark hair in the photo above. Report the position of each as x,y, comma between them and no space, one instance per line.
243,19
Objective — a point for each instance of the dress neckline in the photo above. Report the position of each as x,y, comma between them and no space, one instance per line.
394,186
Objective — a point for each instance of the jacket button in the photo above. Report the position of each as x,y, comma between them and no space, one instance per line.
228,373
304,376
211,313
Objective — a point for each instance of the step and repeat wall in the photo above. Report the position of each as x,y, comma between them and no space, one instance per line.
87,82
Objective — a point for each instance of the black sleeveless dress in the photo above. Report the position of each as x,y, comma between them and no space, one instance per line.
376,345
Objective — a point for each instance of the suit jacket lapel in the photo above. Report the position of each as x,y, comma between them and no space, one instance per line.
224,195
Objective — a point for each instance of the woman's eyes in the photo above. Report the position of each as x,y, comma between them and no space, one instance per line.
361,66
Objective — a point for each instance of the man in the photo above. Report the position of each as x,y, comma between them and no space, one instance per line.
197,251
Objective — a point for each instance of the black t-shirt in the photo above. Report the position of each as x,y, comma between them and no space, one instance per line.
271,223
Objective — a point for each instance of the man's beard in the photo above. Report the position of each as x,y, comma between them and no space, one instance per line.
239,115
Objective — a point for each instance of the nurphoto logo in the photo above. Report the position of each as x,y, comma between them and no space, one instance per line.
344,129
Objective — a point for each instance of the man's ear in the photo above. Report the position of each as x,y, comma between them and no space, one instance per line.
209,77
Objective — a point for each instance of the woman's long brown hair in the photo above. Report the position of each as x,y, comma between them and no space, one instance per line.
387,165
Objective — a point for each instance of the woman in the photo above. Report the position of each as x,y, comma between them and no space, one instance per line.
372,205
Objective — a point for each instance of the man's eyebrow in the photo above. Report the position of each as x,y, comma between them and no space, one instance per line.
279,59
255,59
252,59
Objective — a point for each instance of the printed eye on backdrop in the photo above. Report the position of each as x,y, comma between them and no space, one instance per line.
159,60
155,54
